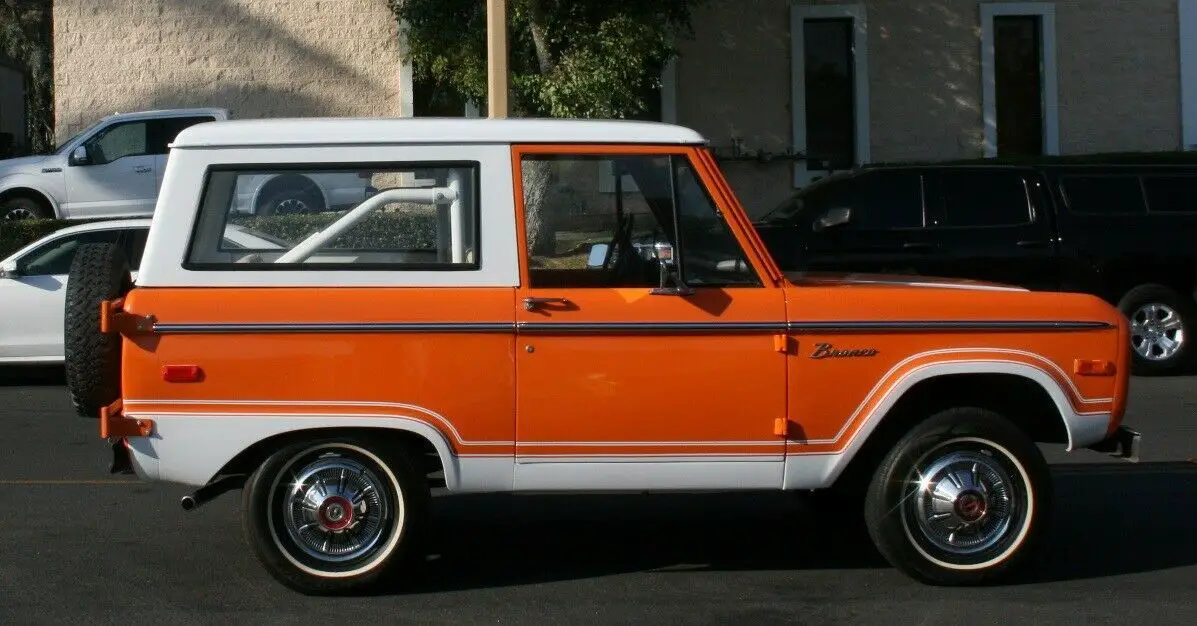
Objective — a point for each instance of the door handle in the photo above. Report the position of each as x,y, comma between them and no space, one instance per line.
142,169
532,303
917,245
1029,243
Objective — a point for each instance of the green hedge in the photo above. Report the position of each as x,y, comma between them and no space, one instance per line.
378,231
16,234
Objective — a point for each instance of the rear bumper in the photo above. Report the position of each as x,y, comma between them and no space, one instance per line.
1123,443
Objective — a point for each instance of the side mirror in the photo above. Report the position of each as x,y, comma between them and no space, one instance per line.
79,156
667,264
598,256
9,271
831,218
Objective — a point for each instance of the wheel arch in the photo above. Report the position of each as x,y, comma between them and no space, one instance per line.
1026,395
423,443
31,191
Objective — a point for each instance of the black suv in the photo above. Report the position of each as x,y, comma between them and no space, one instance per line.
1126,233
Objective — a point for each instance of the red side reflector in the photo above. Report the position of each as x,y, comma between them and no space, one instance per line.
181,373
1093,367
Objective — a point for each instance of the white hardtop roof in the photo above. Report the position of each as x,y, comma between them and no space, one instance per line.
428,130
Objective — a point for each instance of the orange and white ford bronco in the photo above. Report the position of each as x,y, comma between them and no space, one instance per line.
550,305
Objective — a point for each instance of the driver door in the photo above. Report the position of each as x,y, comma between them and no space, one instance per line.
622,384
117,178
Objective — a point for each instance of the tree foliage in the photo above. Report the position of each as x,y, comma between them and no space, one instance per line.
567,58
26,37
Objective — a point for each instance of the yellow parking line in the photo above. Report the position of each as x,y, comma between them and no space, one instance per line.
69,482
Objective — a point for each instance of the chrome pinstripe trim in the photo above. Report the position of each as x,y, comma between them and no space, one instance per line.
336,327
626,327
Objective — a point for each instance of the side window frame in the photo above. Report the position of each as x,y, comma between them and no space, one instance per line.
209,225
680,156
157,143
99,136
942,211
117,237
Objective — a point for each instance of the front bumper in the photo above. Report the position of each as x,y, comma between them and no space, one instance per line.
1122,443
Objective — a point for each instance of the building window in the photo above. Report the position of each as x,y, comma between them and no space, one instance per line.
1018,69
830,89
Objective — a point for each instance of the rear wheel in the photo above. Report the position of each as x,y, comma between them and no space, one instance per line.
335,515
961,499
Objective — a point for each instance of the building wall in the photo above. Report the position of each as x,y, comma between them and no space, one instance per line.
256,58
1117,67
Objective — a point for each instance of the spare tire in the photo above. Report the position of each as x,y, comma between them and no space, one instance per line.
98,272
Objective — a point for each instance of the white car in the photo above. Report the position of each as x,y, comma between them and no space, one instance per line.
33,282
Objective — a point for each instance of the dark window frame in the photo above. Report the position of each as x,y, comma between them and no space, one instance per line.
197,222
943,206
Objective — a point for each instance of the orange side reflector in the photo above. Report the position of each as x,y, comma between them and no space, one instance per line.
1093,367
182,373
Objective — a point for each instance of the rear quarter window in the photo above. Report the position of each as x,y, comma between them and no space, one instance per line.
1103,194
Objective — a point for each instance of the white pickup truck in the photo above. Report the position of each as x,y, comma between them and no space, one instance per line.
114,169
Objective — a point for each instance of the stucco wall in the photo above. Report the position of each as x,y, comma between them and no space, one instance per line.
1118,81
257,58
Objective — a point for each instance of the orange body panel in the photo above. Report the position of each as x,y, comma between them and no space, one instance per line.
467,375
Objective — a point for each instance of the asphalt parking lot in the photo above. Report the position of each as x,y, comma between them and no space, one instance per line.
79,546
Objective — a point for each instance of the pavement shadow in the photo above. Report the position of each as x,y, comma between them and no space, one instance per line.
32,375
1109,520
1115,519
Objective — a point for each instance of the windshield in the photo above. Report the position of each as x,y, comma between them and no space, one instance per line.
63,146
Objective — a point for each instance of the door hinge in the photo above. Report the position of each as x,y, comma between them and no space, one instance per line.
781,427
783,344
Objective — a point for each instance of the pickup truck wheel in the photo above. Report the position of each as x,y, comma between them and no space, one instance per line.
24,207
337,515
961,499
99,271
1161,335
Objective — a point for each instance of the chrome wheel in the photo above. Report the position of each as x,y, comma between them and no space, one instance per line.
1157,331
335,510
967,500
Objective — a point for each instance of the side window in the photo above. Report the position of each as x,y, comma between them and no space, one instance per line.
1103,194
54,257
1171,193
979,198
409,217
163,131
578,236
118,141
887,200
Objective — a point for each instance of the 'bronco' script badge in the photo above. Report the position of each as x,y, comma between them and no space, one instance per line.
826,351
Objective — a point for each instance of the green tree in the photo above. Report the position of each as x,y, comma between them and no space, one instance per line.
567,59
26,36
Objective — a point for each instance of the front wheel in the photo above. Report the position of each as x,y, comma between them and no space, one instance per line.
336,515
961,499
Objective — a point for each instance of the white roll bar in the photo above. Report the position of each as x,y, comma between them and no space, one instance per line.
425,195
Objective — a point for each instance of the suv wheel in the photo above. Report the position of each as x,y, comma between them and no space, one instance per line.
961,499
335,515
1160,320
